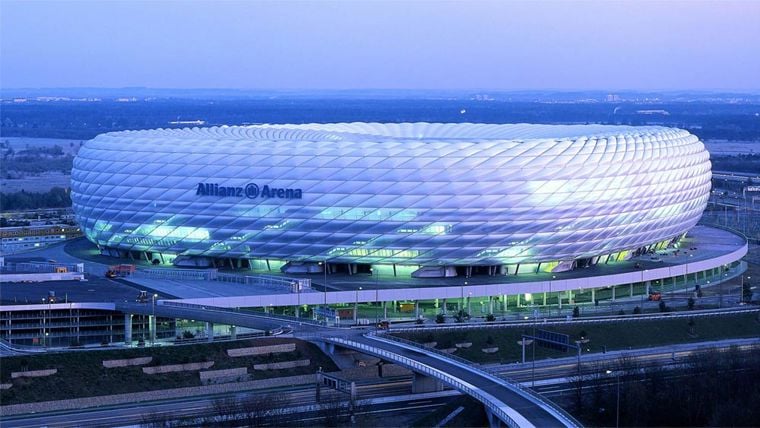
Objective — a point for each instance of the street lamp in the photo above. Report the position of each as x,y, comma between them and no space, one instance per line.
155,323
617,405
356,306
324,289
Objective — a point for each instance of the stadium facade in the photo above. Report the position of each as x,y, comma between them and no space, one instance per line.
512,198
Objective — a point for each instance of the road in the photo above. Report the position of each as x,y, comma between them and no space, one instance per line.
384,395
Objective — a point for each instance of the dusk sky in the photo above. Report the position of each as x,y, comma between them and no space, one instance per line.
362,45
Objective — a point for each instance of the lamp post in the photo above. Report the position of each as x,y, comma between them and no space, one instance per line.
324,289
154,333
617,405
356,306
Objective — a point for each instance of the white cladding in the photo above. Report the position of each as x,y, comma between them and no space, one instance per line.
409,193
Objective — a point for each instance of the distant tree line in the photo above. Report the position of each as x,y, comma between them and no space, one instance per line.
57,197
741,163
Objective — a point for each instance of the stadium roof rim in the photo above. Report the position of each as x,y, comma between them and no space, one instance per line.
408,131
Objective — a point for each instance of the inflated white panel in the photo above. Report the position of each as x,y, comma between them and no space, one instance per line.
409,193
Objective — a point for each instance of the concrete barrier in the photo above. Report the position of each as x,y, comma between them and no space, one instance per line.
141,361
171,368
34,373
261,350
282,365
225,375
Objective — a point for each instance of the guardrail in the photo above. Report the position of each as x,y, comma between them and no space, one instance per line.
529,394
514,420
196,306
597,319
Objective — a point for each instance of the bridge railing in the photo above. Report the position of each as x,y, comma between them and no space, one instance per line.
582,320
290,319
555,410
515,420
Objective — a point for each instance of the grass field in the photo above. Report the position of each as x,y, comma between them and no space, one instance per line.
614,335
81,374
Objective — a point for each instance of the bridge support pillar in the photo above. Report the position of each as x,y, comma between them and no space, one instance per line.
152,328
233,332
127,329
385,310
444,309
613,293
493,421
422,383
209,332
593,296
297,310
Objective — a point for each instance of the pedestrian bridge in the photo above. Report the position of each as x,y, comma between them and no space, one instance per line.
505,402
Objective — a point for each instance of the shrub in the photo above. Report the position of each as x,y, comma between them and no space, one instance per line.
490,318
637,310
576,312
440,319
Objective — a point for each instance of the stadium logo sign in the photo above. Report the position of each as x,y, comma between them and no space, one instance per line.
250,191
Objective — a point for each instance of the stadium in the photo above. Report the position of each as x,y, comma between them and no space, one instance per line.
427,199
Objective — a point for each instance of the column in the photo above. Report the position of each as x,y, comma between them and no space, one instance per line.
127,329
613,293
209,332
152,327
233,332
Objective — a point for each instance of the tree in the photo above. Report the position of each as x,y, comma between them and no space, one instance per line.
746,292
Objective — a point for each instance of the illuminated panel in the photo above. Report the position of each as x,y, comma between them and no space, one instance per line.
410,193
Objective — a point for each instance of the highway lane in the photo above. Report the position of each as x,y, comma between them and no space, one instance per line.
552,372
197,406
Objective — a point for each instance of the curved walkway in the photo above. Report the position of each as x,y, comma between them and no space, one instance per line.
512,405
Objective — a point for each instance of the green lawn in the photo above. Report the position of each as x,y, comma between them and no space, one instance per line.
81,374
614,335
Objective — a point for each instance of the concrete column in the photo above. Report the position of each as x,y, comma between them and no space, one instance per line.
490,303
209,332
544,298
356,311
233,332
518,300
506,302
127,329
422,383
152,327
443,311
593,295
631,285
613,293
385,310
416,309
297,309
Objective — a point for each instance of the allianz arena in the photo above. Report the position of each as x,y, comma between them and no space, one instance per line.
545,197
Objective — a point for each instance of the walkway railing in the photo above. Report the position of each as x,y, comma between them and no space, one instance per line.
555,410
194,306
